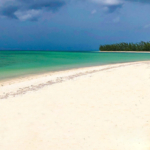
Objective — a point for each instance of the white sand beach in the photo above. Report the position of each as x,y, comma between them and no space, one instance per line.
94,108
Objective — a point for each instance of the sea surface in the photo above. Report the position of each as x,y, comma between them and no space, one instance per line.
15,64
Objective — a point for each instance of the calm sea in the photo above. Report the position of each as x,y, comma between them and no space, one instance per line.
20,63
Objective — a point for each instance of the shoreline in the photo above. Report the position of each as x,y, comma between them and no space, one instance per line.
23,85
47,73
124,51
102,107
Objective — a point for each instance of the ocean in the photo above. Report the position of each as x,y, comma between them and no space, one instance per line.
15,64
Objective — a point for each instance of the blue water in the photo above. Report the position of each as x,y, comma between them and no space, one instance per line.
21,63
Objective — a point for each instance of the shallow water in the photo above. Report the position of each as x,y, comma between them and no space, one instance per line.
20,63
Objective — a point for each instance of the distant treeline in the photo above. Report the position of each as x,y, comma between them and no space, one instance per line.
142,46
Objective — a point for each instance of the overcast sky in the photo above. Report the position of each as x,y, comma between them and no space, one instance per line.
72,24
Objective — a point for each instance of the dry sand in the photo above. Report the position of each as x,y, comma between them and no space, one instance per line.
125,51
95,108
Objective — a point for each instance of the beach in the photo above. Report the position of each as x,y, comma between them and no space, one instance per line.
124,52
92,108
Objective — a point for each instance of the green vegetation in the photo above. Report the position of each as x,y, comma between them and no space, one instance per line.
142,46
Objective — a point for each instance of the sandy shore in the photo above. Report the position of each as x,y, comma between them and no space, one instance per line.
125,51
95,108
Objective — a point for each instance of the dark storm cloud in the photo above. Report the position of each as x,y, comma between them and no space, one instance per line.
51,5
32,9
113,8
141,1
11,10
113,5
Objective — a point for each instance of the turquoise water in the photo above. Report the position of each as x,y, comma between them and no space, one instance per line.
20,63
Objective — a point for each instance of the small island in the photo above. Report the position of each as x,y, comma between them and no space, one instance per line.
142,46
